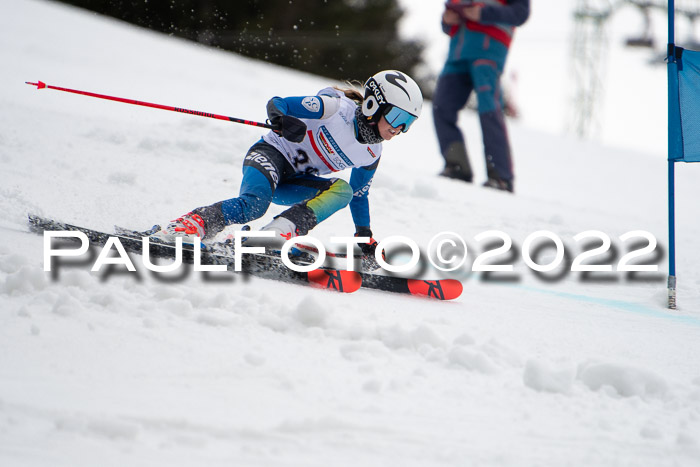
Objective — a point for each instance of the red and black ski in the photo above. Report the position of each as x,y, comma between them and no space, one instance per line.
440,289
335,279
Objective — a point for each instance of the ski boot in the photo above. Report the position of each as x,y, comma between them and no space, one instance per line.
187,227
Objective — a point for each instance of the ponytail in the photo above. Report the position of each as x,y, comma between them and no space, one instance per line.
351,92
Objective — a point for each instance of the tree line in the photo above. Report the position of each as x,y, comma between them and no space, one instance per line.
340,39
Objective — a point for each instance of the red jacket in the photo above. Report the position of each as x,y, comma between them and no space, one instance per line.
498,18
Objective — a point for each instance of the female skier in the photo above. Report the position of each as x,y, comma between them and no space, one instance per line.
316,135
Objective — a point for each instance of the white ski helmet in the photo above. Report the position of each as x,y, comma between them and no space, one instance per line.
395,95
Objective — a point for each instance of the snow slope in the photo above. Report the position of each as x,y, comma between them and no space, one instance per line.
119,368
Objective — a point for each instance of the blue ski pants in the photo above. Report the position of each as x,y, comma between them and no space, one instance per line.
269,178
451,95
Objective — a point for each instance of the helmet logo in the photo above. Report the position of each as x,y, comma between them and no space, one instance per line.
398,76
378,94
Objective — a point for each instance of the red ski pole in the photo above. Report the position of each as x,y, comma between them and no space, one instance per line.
41,85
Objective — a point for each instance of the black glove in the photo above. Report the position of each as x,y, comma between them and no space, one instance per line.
369,262
290,128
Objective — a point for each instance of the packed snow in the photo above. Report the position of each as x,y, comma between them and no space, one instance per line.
524,369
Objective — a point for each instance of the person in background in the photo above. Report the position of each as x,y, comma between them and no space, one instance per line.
313,136
480,34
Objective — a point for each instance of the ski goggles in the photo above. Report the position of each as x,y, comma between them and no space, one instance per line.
396,117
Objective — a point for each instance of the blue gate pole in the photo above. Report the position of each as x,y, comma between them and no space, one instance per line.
671,237
671,166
